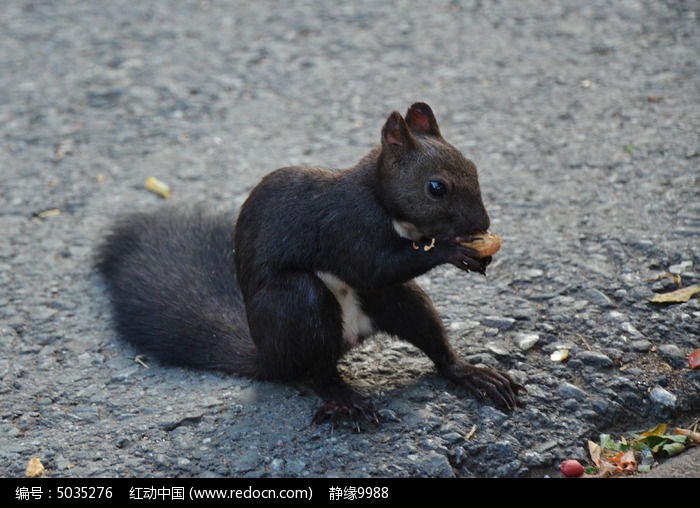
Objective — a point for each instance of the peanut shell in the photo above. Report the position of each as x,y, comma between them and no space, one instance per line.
485,245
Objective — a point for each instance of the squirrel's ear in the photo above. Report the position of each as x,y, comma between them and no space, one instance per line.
421,120
395,132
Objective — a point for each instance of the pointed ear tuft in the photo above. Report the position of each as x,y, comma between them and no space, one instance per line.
395,132
421,120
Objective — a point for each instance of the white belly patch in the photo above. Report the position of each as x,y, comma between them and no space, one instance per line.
355,321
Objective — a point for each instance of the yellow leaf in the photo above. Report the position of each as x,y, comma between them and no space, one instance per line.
157,186
677,296
659,430
34,468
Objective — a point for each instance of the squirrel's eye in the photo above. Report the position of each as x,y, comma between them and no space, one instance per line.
437,188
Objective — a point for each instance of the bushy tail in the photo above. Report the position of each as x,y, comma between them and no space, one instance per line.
172,281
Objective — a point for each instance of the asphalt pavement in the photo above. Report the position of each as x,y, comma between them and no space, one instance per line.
582,117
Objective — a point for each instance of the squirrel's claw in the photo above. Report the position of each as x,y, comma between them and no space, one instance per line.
473,264
497,386
355,411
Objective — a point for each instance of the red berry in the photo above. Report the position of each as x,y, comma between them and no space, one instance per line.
571,468
694,359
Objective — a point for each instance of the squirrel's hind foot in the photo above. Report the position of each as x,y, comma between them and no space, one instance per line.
357,411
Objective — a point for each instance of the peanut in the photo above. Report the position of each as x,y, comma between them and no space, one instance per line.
484,244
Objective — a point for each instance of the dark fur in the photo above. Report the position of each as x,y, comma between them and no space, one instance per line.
174,292
174,278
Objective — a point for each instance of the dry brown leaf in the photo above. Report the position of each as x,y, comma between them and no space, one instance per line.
693,436
34,468
677,296
626,462
620,463
607,469
594,451
663,275
44,214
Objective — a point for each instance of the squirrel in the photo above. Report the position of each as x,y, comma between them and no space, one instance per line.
318,261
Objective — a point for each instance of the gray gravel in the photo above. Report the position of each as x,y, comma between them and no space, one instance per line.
583,117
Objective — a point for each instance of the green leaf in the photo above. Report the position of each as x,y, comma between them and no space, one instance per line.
658,447
678,438
659,444
608,443
672,449
650,441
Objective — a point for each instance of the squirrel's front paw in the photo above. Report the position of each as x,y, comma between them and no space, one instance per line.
483,382
455,251
469,259
475,251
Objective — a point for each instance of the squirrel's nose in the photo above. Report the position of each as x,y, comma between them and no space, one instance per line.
478,221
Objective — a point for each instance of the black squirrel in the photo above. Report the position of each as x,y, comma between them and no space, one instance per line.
318,261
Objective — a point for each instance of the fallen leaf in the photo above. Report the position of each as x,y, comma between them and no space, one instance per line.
658,441
667,275
694,359
674,448
624,456
626,462
34,468
677,296
693,436
594,451
157,186
45,214
608,443
604,468
659,430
